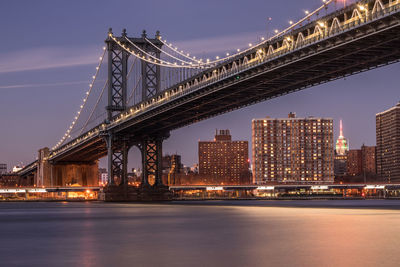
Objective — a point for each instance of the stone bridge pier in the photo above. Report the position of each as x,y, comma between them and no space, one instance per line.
52,174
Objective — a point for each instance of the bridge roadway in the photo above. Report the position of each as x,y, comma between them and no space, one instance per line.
281,66
275,186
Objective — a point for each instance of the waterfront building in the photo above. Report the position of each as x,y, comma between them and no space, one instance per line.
224,161
103,176
16,168
292,149
388,144
3,168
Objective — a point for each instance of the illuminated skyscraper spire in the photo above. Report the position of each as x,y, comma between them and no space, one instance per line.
342,145
341,129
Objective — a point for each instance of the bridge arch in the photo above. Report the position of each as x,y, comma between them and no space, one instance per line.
335,26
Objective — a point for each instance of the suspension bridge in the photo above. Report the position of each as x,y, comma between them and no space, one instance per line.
145,87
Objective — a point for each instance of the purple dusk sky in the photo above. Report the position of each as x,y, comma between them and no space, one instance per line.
50,49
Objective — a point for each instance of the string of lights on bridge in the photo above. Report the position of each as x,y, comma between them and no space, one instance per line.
184,64
193,63
278,33
78,113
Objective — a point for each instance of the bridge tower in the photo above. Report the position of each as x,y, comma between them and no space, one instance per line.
150,144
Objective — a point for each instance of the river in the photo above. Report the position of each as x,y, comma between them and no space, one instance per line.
216,233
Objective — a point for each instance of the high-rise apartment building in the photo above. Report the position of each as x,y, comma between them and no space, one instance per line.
292,149
388,144
223,160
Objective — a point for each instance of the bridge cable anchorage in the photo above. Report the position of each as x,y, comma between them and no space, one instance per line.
67,133
229,56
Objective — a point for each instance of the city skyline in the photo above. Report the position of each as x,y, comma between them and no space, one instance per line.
65,64
200,133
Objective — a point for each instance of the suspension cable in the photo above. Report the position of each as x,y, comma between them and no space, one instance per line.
167,64
169,45
67,133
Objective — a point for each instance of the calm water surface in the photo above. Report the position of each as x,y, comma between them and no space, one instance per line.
238,233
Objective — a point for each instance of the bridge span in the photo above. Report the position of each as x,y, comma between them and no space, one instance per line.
316,50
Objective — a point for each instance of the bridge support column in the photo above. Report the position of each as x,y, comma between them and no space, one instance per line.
151,148
117,161
117,77
43,176
151,73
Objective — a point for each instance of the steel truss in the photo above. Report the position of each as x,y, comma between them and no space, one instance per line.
117,146
151,148
151,76
118,149
362,44
117,77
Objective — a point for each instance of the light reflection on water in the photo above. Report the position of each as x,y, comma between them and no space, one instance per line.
217,234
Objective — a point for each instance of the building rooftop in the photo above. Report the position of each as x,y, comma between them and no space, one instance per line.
288,119
390,109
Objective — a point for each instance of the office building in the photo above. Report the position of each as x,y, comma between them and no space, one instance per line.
340,165
292,149
388,144
342,148
224,161
369,159
172,168
362,162
354,162
342,145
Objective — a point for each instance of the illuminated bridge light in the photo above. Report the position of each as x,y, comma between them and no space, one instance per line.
319,187
374,187
214,188
266,188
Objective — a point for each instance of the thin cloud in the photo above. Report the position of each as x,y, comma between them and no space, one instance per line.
59,57
48,58
41,85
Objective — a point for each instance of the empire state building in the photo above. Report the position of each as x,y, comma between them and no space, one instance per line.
342,146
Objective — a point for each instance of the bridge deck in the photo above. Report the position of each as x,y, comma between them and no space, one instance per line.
358,46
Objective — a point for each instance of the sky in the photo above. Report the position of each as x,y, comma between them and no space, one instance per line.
49,51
